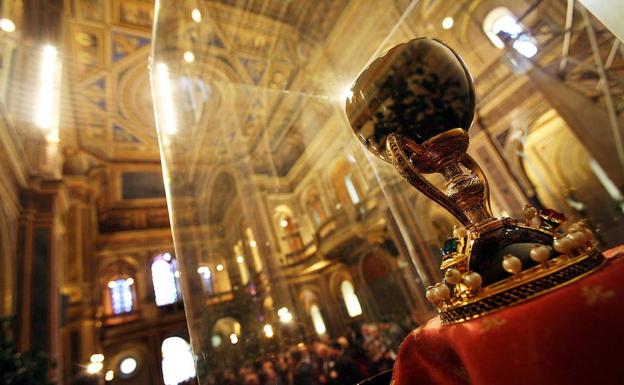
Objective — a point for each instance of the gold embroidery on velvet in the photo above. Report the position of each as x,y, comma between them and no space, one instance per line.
595,294
492,323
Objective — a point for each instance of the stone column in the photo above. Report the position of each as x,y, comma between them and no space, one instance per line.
80,284
42,245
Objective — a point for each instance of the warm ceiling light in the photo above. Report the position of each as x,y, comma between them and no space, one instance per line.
7,25
284,223
284,315
253,244
129,281
189,57
240,259
219,267
196,15
97,357
109,376
268,330
94,367
233,339
448,22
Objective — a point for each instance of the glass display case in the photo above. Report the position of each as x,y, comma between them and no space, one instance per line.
291,238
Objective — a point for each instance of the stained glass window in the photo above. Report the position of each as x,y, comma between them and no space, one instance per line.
121,295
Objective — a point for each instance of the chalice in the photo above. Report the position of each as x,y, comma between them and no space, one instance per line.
413,107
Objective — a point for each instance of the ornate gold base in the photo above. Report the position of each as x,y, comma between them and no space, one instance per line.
563,270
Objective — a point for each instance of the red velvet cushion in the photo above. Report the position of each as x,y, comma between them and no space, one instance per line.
573,335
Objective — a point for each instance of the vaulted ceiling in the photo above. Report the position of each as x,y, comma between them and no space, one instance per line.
109,111
107,48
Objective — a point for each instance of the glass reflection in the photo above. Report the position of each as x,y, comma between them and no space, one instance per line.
276,210
292,241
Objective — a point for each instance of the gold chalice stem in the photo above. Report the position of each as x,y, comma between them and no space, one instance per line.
403,165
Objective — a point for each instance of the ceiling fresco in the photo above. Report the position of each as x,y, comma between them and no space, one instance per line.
109,43
107,76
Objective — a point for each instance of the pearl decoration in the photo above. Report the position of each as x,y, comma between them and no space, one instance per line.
536,221
473,280
432,294
539,253
577,238
460,232
443,291
437,293
575,227
529,212
452,276
512,264
562,245
581,227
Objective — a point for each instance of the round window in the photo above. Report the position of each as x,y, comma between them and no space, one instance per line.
128,366
216,340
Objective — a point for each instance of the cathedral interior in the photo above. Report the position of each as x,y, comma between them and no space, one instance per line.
181,192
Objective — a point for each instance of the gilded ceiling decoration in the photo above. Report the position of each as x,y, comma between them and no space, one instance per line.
109,43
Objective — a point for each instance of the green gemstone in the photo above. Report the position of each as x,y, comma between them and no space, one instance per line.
450,246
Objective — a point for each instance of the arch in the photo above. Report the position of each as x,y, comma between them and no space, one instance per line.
226,326
307,297
178,364
228,329
165,279
309,300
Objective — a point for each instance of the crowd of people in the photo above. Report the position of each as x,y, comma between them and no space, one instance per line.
364,351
